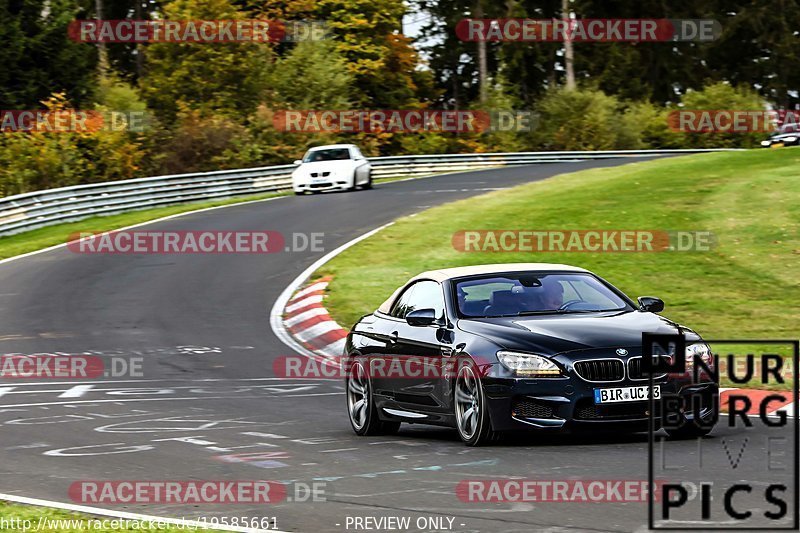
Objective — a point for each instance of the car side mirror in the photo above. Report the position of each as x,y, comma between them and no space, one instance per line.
421,317
298,162
651,304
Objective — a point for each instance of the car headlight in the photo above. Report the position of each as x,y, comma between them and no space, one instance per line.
790,139
529,365
765,143
699,350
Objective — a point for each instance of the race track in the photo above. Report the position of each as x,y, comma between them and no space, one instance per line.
209,406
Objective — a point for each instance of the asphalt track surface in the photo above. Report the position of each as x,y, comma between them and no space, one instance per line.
208,406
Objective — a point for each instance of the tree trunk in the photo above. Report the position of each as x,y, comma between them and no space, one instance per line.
569,58
102,53
139,47
483,68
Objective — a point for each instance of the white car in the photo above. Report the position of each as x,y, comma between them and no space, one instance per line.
333,167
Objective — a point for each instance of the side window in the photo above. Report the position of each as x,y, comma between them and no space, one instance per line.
400,306
427,295
420,295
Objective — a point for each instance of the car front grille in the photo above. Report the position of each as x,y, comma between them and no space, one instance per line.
600,370
320,174
635,369
528,408
586,410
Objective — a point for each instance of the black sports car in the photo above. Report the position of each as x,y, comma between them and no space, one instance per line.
787,135
495,348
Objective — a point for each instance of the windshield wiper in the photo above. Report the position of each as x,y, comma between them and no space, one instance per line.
563,312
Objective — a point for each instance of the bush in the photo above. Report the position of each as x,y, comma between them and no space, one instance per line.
32,161
721,96
578,119
644,126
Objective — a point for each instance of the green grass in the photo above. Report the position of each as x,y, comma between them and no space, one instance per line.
15,516
746,287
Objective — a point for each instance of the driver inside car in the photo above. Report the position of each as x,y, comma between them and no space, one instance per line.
553,296
549,296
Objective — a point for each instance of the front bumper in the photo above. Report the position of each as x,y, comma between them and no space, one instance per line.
333,184
568,403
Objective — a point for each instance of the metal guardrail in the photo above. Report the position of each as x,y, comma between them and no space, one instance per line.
24,212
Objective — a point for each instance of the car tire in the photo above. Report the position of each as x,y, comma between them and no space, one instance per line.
361,409
298,193
470,406
368,184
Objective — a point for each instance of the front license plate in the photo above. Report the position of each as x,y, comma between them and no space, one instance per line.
625,394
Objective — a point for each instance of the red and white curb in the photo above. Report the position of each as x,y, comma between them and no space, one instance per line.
307,320
756,396
289,296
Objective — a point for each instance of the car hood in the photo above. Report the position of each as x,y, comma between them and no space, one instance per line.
326,166
551,334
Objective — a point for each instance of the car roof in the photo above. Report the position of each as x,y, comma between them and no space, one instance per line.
331,146
444,274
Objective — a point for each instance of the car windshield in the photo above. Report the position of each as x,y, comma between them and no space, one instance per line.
788,128
520,294
330,154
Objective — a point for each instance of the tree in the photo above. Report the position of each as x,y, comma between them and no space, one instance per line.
313,75
759,46
657,71
37,57
226,78
368,34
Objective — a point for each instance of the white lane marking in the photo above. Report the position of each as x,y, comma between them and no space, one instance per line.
316,330
305,302
177,380
130,516
318,286
125,400
185,213
77,391
169,217
276,314
305,315
4,390
295,382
